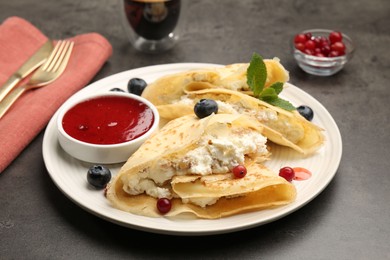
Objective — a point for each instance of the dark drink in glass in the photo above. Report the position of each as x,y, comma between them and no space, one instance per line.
152,19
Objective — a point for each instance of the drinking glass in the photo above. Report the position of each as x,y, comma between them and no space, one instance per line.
151,25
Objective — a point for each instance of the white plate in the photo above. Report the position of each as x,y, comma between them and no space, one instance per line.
69,174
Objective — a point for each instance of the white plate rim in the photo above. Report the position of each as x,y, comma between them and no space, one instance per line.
51,152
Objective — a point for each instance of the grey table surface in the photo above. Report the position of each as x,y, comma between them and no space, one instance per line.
348,220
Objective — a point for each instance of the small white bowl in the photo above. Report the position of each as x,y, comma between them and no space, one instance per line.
102,153
323,66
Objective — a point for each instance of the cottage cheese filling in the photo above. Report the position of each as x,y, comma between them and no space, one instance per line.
218,151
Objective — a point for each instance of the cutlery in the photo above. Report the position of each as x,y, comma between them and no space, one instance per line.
47,73
36,60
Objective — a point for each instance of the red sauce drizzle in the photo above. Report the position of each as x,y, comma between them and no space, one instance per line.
108,120
301,173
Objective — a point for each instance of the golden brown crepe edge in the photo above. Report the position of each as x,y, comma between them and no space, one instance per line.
271,196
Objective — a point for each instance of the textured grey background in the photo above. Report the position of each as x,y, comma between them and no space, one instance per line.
348,220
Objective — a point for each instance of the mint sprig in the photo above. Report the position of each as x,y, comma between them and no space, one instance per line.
256,78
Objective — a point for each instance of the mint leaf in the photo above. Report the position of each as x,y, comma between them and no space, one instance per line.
256,74
278,86
279,102
268,93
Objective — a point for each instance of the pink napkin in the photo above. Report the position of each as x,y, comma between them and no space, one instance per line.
19,39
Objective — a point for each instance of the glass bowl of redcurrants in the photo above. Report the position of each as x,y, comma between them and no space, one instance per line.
322,52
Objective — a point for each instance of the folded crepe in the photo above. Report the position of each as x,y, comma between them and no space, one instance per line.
233,77
175,95
280,126
190,161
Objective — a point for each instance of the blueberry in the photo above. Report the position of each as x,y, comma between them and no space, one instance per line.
205,107
306,112
117,90
136,86
98,176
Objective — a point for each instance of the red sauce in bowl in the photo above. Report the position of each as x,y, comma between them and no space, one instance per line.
108,120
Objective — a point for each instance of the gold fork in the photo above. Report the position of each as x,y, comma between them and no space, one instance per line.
47,73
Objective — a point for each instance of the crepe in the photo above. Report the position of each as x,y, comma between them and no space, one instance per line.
190,161
233,77
280,126
175,95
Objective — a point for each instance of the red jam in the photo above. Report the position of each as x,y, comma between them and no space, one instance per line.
108,120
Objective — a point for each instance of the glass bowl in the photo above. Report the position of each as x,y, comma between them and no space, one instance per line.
323,66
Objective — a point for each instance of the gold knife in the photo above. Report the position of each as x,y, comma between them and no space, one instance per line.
36,60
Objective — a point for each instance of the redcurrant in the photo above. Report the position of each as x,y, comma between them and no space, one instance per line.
333,54
300,38
239,171
338,46
287,173
325,50
309,52
300,46
308,36
335,37
324,42
311,45
321,46
164,205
